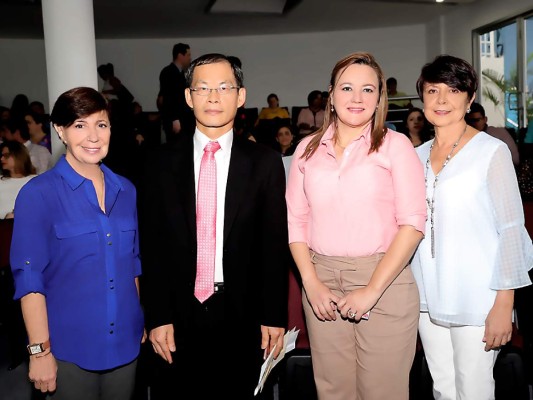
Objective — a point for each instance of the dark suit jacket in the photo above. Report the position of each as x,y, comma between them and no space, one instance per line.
255,250
172,88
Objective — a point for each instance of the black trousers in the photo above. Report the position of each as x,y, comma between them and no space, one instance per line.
212,361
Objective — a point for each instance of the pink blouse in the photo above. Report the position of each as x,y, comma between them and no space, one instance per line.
354,206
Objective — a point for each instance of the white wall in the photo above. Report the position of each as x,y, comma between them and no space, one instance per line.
288,65
459,24
22,70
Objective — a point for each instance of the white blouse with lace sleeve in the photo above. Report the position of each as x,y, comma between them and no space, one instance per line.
481,244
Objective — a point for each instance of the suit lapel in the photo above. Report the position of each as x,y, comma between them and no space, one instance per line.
183,169
240,169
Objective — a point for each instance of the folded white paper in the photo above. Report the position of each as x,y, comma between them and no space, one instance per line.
289,343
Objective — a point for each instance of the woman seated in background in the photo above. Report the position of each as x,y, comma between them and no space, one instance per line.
17,170
273,110
417,128
285,140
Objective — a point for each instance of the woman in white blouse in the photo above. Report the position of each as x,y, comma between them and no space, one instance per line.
476,249
17,170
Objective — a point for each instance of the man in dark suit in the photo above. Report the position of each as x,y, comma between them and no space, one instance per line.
176,116
214,347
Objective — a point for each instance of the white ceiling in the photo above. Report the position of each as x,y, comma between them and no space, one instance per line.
190,18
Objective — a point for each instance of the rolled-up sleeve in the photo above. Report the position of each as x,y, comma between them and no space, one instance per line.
29,255
297,204
409,184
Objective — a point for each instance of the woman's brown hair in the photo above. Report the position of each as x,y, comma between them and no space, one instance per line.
20,154
378,124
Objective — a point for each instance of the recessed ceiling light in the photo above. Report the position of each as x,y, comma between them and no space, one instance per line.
439,1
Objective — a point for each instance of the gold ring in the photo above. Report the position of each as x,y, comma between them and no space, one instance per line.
351,314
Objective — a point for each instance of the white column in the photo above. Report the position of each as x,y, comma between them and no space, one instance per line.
70,51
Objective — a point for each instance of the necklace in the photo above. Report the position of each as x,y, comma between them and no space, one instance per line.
431,202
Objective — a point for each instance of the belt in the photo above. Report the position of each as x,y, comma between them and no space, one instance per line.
219,287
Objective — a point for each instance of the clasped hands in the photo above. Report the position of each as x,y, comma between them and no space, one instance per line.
352,306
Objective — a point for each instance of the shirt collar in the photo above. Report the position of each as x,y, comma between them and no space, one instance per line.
225,141
329,134
74,179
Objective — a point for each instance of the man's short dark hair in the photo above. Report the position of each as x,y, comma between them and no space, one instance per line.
18,124
235,60
392,81
213,58
477,108
179,48
312,96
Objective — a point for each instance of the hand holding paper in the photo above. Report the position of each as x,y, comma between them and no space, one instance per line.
289,343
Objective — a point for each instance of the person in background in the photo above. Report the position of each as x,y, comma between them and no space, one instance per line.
41,158
175,114
38,129
417,128
5,113
356,213
392,92
476,118
17,170
214,247
273,110
325,97
75,262
19,106
37,107
476,250
286,140
311,117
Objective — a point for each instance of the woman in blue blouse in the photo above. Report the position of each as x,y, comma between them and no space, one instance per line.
75,260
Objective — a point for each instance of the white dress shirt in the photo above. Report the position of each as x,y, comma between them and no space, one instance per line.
481,244
40,157
222,159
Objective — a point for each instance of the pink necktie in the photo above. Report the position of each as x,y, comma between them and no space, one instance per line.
206,215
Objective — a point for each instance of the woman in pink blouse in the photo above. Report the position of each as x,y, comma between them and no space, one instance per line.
356,202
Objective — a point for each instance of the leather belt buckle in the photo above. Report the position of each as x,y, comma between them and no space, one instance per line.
219,287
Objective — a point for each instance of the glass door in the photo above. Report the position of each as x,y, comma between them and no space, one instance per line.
505,59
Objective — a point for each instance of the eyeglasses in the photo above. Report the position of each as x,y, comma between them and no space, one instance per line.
221,90
5,155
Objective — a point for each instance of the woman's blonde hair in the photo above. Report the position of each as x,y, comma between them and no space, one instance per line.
330,117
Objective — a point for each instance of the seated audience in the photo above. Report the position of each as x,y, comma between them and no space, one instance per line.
311,117
38,129
37,107
5,113
417,128
285,140
477,119
273,110
17,130
392,92
19,106
17,170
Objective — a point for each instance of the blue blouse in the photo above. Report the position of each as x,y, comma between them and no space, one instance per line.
84,261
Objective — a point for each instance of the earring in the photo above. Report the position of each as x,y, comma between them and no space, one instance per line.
332,109
468,110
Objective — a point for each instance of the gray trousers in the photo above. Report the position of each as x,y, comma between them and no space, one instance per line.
74,382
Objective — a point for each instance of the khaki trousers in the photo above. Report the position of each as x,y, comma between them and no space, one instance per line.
369,360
